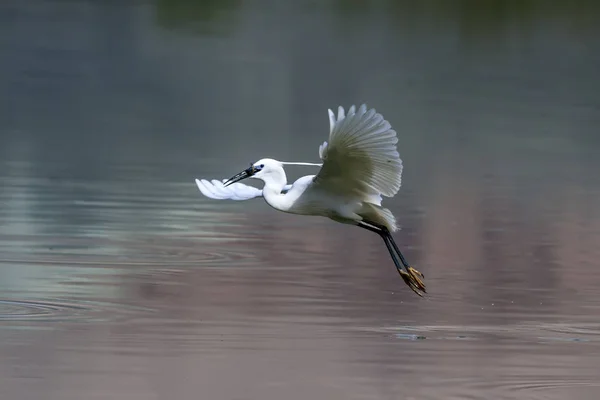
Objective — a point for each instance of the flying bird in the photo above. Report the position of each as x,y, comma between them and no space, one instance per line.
360,164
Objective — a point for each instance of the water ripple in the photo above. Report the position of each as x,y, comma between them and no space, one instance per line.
15,310
527,332
62,311
123,252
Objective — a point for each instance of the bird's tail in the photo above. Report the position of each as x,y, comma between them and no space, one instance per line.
379,215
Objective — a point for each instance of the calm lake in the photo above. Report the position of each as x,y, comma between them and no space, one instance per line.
119,280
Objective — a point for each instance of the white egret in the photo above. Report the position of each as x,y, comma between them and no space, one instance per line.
360,164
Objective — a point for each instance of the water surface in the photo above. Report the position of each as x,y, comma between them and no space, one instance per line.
118,280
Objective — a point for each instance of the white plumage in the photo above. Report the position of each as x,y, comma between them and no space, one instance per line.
216,189
360,164
361,156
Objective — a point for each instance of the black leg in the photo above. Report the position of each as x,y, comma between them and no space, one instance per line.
407,273
391,239
408,268
385,240
385,233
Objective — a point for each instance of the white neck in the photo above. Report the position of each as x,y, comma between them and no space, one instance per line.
274,181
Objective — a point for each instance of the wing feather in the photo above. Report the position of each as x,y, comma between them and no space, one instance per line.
215,189
361,156
322,149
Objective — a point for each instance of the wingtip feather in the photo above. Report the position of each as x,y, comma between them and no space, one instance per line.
331,120
341,114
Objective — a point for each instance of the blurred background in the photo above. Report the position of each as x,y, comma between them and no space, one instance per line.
119,280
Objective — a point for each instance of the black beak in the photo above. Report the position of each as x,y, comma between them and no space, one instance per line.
247,173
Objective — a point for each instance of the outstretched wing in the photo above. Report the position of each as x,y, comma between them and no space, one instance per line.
215,189
361,158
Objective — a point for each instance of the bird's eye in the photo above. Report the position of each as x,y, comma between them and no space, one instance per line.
262,165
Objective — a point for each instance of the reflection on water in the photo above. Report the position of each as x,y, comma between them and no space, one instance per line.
117,279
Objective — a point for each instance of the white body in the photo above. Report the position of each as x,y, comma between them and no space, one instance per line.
360,164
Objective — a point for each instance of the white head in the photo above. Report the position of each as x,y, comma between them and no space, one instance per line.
266,169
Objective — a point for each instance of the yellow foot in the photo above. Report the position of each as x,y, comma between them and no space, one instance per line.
414,280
